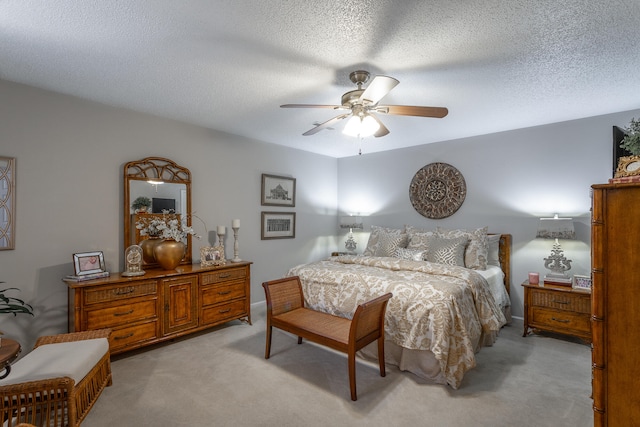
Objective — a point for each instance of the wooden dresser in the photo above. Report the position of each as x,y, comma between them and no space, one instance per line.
615,310
558,309
162,304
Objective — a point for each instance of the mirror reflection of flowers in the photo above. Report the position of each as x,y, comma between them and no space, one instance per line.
166,227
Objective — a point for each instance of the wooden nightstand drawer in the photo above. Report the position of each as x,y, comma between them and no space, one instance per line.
224,275
557,319
579,303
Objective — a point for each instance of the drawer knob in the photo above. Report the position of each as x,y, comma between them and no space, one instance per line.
560,320
224,311
124,291
224,276
224,292
560,302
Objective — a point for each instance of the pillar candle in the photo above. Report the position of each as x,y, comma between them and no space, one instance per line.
221,229
235,223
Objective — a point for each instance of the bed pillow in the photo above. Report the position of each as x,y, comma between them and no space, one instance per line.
384,241
476,253
447,251
410,254
493,253
418,240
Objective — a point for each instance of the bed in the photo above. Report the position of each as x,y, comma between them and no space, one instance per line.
442,311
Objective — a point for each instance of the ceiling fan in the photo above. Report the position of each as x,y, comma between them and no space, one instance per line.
363,103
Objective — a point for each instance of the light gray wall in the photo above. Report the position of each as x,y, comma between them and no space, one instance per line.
513,178
70,154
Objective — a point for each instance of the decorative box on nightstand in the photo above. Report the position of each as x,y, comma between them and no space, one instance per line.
558,309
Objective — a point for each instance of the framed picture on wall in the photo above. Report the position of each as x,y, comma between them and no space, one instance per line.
278,190
278,225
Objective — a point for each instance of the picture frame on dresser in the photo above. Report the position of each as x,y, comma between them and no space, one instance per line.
581,282
212,255
88,263
278,191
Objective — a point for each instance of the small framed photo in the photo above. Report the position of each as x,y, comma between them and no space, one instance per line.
582,282
212,255
278,190
278,225
88,263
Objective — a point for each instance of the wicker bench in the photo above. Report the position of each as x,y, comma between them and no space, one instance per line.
286,311
58,382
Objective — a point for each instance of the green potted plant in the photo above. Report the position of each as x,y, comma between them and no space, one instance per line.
631,141
141,204
13,305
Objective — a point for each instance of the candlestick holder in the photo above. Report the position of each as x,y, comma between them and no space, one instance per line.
236,257
221,244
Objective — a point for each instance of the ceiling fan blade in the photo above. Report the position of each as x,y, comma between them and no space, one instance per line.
335,107
379,87
325,124
382,131
408,110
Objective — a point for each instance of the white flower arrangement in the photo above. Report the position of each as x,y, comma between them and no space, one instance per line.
167,227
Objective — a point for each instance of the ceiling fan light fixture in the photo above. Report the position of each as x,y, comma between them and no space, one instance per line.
361,127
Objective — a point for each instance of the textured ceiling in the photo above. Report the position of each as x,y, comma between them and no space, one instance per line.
228,65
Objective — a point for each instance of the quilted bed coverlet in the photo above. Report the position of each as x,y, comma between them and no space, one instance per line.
435,307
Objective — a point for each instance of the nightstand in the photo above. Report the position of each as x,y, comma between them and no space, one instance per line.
559,309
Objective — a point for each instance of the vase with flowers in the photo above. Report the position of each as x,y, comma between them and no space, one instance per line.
165,244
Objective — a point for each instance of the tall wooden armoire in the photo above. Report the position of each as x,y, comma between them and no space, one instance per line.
615,304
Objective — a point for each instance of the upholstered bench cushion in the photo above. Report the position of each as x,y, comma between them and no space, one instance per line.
66,359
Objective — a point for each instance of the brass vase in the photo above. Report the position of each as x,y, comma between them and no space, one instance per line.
147,246
169,253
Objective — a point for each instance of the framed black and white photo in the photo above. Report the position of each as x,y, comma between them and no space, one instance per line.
278,190
582,282
278,225
88,263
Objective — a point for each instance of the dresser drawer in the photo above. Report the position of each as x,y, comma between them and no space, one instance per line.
121,314
215,294
222,275
559,321
129,336
119,292
219,313
561,301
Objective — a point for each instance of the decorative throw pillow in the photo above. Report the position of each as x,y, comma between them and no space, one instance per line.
447,251
476,253
384,241
493,255
410,254
418,240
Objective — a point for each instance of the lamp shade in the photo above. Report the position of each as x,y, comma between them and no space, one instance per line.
556,228
353,222
358,126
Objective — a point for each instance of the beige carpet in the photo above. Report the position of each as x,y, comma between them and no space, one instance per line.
220,378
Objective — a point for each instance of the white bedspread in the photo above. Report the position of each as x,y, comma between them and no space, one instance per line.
444,309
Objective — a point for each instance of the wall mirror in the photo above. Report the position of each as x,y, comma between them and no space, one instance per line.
167,185
7,202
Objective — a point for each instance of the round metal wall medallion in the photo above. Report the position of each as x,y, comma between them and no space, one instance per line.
437,190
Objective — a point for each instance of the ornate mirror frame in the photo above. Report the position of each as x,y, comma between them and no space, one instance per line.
155,171
7,203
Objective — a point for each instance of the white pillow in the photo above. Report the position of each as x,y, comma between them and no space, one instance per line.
476,253
384,241
493,255
447,251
